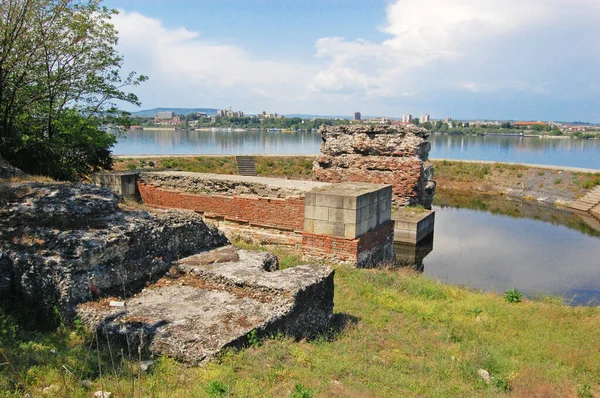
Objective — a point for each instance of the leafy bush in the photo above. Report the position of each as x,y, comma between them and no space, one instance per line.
216,388
513,296
301,392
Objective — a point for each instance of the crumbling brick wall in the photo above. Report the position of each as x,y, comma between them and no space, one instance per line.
381,154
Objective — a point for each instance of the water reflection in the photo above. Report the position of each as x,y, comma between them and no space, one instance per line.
558,152
408,255
519,208
498,252
170,142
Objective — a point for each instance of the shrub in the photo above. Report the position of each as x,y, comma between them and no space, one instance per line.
513,296
216,388
301,392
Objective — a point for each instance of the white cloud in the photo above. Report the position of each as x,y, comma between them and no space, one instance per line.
183,66
466,45
440,55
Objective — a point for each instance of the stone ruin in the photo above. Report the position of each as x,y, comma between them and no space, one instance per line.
214,300
9,171
70,248
380,154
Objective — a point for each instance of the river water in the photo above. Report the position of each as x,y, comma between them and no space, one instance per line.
491,246
558,152
499,252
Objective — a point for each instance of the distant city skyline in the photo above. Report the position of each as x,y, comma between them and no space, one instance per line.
526,60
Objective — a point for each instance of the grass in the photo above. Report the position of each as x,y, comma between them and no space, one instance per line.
395,333
294,167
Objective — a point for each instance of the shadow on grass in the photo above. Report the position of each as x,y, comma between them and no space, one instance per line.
339,324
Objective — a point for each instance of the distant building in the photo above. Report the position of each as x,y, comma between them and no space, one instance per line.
448,119
424,118
221,113
356,115
529,124
406,118
164,115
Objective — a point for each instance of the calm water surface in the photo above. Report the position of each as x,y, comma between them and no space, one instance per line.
252,142
559,152
532,250
498,252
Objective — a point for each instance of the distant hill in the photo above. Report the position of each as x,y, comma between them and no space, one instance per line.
177,111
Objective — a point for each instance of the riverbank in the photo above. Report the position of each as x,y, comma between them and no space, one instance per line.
395,333
548,184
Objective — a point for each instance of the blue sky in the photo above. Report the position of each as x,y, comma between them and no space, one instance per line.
467,59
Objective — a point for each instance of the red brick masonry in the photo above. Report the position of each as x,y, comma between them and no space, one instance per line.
344,249
285,214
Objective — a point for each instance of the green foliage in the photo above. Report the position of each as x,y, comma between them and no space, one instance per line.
557,181
60,74
513,296
301,392
253,339
217,388
585,391
502,385
592,181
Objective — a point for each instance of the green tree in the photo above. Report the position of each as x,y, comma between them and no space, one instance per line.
59,78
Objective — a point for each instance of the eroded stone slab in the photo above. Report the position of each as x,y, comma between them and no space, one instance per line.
203,307
63,244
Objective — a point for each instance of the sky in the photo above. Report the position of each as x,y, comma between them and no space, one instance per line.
465,59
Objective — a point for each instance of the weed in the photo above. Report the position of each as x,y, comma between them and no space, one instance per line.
253,340
541,173
301,392
519,175
131,166
585,391
513,296
216,388
502,385
476,311
151,163
557,181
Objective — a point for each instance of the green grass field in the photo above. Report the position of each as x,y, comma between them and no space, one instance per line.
395,334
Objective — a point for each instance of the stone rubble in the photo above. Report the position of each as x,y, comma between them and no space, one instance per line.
381,154
64,244
163,281
9,171
216,300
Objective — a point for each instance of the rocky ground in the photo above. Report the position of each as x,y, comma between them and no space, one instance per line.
63,244
8,171
545,185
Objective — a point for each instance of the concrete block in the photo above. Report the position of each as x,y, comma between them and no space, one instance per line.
350,231
372,223
385,216
350,202
339,229
310,198
362,228
342,215
316,213
325,227
385,194
330,200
